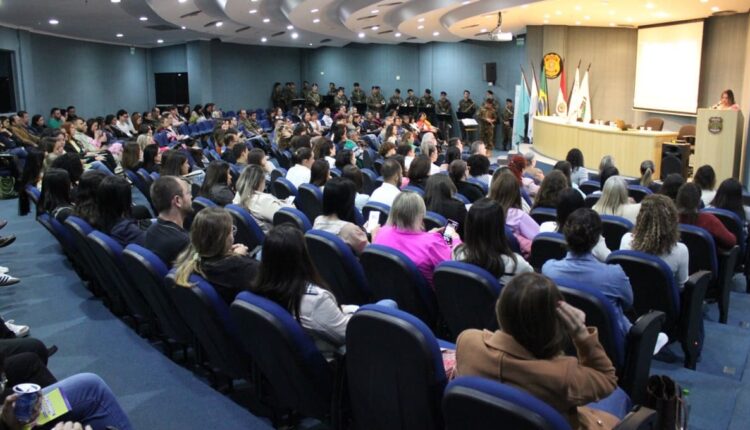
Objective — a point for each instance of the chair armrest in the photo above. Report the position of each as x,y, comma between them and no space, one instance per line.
727,263
639,350
691,315
640,418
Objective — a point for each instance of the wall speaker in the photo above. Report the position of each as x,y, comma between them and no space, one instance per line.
674,159
489,72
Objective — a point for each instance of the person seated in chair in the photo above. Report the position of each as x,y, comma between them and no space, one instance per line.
173,201
688,205
114,205
217,186
391,187
528,353
250,195
338,214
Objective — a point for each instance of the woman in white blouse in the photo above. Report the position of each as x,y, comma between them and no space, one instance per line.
262,206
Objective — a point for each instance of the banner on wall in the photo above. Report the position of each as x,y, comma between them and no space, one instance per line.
522,108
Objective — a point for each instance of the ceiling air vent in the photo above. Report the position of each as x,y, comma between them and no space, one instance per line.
278,34
396,3
366,17
325,40
724,13
412,38
386,32
469,26
162,27
239,30
187,15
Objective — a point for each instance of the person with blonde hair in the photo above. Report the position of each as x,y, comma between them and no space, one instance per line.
657,233
615,201
213,255
250,195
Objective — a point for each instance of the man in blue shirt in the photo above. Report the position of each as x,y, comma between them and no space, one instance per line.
582,230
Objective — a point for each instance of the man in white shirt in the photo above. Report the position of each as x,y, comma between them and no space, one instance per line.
124,124
407,151
327,120
300,173
387,192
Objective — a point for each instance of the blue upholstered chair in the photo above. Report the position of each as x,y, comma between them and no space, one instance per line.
547,246
338,266
292,216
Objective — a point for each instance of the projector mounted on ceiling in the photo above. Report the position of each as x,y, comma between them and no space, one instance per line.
497,34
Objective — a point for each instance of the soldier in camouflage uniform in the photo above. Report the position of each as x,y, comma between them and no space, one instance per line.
508,124
305,89
358,96
376,101
340,100
411,100
313,98
332,90
396,99
466,105
427,105
487,120
443,107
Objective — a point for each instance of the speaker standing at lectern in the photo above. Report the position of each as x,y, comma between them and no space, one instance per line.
726,102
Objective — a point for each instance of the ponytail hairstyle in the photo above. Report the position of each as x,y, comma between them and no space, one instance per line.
647,170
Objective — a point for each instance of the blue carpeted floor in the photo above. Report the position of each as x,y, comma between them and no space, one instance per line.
154,391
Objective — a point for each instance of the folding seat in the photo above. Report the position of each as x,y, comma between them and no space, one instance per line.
249,232
377,165
433,220
654,288
208,317
292,216
394,370
466,296
512,241
547,246
369,181
471,402
148,272
613,229
335,172
282,188
541,214
382,208
278,172
392,275
705,256
134,179
461,198
590,186
302,380
638,192
734,224
338,266
591,200
479,183
309,201
631,354
369,156
200,203
414,189
34,195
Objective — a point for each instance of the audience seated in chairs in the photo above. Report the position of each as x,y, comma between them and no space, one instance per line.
85,196
151,158
549,191
338,214
452,153
419,171
536,323
131,157
671,185
705,179
213,255
729,197
578,173
300,173
173,202
688,206
657,233
392,175
114,205
354,174
531,171
564,167
73,165
646,179
404,232
517,164
320,173
217,186
583,231
485,244
439,198
505,190
479,166
458,172
250,195
56,199
568,201
614,200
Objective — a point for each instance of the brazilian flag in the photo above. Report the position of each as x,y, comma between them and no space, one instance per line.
543,103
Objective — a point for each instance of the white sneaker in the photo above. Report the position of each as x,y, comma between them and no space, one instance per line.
3,270
6,280
661,340
19,330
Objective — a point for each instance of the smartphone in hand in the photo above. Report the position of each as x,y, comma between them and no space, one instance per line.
373,221
449,231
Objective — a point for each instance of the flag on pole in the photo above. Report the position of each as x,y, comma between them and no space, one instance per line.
584,111
522,107
533,104
543,99
574,104
561,107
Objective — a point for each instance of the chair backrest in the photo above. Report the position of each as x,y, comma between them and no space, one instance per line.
591,200
613,229
338,266
302,380
733,223
62,234
414,189
377,165
702,249
462,198
249,232
278,172
392,275
466,296
208,317
433,220
589,186
283,188
512,240
541,214
148,272
601,314
135,179
335,172
547,246
33,193
292,216
686,130
653,283
382,208
369,181
394,369
479,183
638,192
309,200
471,402
200,203
656,124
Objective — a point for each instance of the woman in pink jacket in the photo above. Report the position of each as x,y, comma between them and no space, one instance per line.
506,191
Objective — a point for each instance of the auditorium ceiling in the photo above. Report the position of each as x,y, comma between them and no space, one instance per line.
316,23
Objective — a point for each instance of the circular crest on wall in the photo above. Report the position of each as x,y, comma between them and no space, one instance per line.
552,65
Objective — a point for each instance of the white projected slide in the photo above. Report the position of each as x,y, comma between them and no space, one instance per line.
668,68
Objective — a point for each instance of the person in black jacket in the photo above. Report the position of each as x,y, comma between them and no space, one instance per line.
438,197
458,173
217,185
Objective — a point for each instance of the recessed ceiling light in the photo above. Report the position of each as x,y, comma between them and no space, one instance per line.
375,11
316,20
361,35
219,24
266,20
253,1
704,1
420,20
546,15
264,39
612,12
611,24
314,11
436,33
160,41
650,5
53,21
484,30
143,18
578,7
466,2
119,35
587,17
629,19
375,28
397,34
420,27
524,6
253,10
309,44
295,35
546,21
118,1
578,22
290,27
558,12
661,14
183,27
715,9
181,1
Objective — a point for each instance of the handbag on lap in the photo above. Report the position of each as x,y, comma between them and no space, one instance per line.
665,396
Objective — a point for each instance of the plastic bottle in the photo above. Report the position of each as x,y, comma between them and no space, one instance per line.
685,409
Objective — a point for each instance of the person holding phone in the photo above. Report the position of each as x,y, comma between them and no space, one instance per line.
528,353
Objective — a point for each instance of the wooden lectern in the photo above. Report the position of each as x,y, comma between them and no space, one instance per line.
718,141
